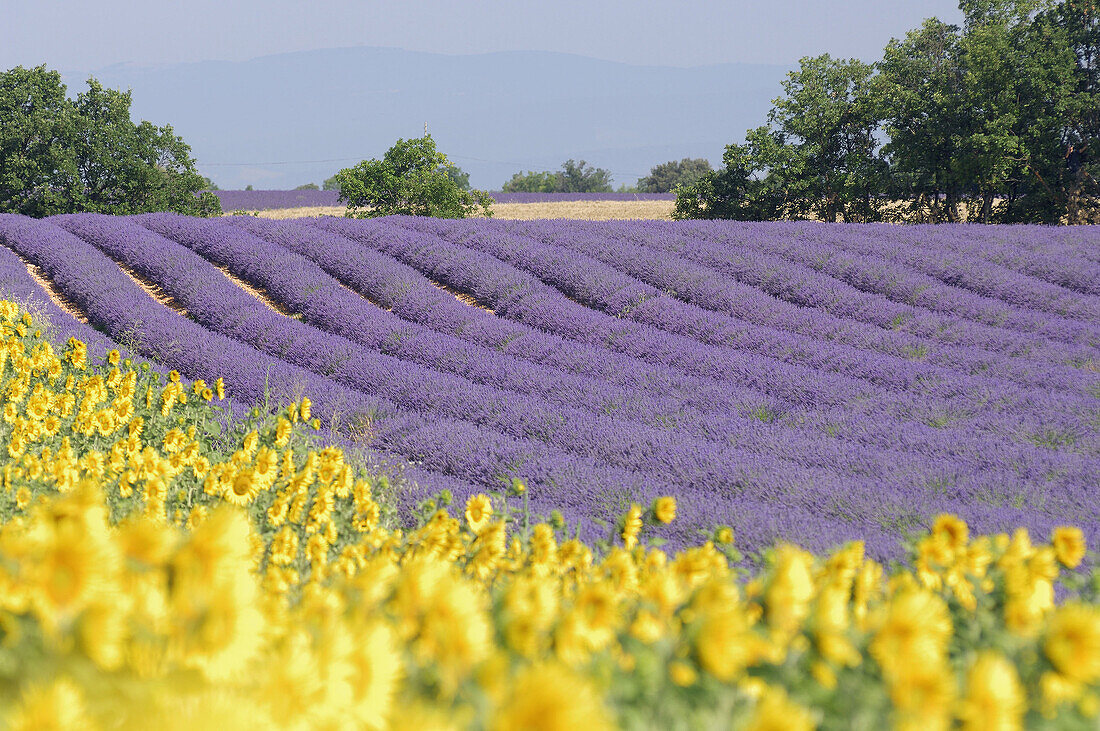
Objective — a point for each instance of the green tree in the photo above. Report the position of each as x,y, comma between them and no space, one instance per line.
1019,79
574,177
665,177
829,117
38,175
818,157
744,188
127,168
922,78
209,184
87,154
532,182
1062,162
459,176
308,186
411,179
580,177
982,118
331,184
1079,20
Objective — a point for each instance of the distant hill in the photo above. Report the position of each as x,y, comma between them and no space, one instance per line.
494,114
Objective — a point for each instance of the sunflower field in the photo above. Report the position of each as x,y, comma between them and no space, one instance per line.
163,565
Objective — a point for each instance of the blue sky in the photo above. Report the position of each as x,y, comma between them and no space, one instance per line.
77,35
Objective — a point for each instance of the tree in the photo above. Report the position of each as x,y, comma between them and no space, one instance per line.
457,174
574,177
1079,21
922,79
127,168
1060,51
532,182
308,186
818,157
411,179
64,156
829,118
580,177
664,178
38,175
209,184
743,189
331,184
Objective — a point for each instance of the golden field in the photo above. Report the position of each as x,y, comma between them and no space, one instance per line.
587,210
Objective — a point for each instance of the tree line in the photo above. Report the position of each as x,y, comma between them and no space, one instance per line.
996,120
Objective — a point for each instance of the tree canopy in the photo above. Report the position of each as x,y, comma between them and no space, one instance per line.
59,155
413,179
997,120
665,177
574,177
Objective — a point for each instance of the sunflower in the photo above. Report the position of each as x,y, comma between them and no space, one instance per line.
479,509
59,705
1073,642
994,698
550,696
664,509
1069,546
244,487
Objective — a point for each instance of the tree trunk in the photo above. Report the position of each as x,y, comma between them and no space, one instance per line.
951,207
1073,198
987,206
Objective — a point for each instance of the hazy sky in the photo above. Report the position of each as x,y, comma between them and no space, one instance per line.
78,35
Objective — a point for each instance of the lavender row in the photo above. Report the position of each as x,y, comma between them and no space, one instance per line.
1034,251
415,298
904,359
816,248
512,292
591,492
687,464
377,275
297,283
759,518
17,285
436,444
933,256
931,393
764,476
803,285
489,279
395,285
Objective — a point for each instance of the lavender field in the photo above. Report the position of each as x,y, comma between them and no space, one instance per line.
796,381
